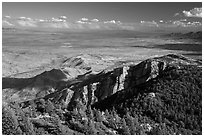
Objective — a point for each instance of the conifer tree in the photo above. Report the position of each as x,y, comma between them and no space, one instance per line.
125,129
91,128
130,124
49,108
99,117
106,113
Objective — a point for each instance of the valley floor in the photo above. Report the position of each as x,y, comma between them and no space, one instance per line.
37,52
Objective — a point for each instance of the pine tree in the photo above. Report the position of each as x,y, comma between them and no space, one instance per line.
125,129
99,117
112,122
91,128
130,123
106,113
49,108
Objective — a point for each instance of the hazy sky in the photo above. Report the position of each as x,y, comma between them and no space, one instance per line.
132,12
125,12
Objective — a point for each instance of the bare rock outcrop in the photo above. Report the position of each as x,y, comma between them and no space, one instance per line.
109,82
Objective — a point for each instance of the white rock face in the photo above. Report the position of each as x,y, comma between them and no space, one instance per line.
151,95
125,77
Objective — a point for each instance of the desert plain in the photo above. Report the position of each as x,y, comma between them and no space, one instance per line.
26,53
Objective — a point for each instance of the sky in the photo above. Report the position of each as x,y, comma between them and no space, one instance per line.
137,16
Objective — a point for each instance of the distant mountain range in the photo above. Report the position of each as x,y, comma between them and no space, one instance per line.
190,35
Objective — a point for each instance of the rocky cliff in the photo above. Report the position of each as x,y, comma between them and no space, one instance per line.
88,88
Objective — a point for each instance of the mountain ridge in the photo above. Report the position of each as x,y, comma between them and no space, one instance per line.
160,95
111,79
